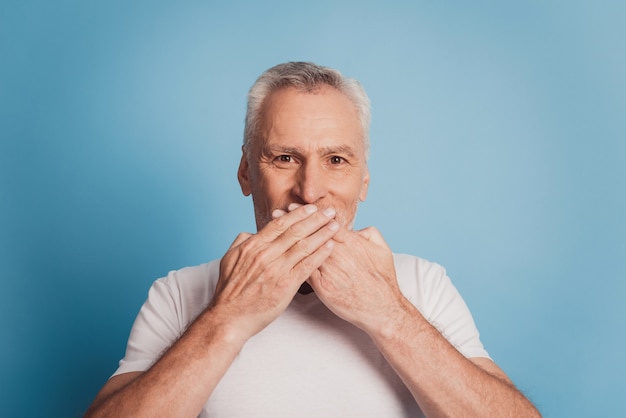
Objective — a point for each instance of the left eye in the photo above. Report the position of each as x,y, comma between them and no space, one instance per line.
336,160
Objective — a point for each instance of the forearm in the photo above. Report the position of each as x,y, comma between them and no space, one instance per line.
182,380
443,382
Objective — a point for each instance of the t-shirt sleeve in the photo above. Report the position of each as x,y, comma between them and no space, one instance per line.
442,305
155,329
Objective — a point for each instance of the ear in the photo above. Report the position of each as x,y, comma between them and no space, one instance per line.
364,185
243,175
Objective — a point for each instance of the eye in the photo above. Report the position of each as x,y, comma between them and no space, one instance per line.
284,161
336,160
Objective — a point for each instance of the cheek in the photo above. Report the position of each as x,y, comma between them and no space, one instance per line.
350,189
348,196
274,187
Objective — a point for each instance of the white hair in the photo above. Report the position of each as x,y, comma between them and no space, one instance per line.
306,77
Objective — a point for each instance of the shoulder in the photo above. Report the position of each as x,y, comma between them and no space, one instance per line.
188,290
421,281
428,287
412,269
407,261
196,278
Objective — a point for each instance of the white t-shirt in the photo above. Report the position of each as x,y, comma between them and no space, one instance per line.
308,362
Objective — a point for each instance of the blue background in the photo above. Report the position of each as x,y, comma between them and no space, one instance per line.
498,150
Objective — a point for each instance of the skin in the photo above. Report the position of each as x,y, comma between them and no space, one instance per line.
306,173
311,151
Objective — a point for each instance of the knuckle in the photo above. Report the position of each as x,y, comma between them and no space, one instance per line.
246,246
260,259
307,265
297,230
280,224
303,246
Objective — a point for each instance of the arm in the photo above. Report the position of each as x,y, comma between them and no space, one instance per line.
358,282
455,385
180,382
259,275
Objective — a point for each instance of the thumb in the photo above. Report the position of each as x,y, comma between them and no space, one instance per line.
373,235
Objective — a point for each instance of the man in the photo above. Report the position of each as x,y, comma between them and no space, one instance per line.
307,317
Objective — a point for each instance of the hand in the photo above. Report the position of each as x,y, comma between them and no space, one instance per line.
358,280
260,273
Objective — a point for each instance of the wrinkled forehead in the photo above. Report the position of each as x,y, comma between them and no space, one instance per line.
291,111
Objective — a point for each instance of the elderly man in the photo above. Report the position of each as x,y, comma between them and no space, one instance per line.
307,317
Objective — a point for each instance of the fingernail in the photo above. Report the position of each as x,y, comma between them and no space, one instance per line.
293,206
308,208
330,212
277,213
333,226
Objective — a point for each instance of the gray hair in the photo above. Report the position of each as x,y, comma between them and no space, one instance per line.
306,77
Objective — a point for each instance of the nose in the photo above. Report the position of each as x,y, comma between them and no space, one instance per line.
311,184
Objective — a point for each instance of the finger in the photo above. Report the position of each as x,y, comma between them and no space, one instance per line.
298,233
278,226
342,235
373,235
308,266
277,213
315,278
309,245
293,206
282,233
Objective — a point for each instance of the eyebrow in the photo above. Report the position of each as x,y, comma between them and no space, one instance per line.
340,149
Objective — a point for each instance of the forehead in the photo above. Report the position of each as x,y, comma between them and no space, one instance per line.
325,115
